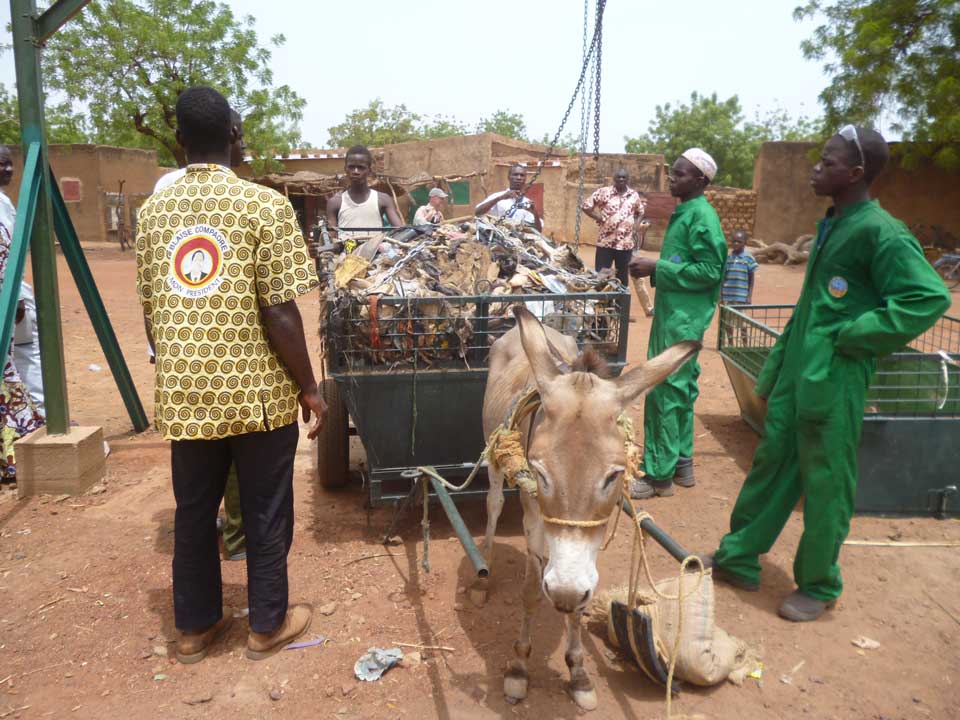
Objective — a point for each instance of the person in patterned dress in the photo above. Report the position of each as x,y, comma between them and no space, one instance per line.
232,374
618,210
19,414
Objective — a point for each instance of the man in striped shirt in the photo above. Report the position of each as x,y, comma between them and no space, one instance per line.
739,272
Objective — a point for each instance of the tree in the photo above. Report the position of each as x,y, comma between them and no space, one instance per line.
128,61
892,56
376,125
506,123
63,124
719,127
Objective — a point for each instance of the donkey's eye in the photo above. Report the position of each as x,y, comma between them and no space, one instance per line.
612,478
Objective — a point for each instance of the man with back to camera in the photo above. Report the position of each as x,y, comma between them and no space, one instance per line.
232,371
868,291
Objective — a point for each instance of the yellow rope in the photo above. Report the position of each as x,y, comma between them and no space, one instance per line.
505,450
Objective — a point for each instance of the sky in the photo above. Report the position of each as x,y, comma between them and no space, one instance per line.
469,59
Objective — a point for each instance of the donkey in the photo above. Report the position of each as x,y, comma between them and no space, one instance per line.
578,456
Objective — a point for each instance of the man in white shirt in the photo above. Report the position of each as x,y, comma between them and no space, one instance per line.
432,212
512,203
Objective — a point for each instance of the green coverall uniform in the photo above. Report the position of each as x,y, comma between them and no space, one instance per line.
868,291
688,278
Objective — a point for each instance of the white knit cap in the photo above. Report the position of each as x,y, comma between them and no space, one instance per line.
702,161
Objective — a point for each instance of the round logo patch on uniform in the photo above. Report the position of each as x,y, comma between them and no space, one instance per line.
837,287
676,259
196,260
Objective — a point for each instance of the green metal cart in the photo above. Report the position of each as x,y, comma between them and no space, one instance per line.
909,454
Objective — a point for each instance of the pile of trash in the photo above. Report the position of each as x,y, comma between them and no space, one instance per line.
434,295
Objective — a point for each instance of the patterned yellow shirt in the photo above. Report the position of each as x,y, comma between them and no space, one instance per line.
212,249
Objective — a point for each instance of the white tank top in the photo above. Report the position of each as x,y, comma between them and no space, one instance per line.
360,215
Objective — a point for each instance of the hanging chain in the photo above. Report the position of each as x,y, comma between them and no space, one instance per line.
582,138
598,69
594,46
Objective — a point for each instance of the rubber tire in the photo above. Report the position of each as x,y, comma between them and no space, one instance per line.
944,271
333,442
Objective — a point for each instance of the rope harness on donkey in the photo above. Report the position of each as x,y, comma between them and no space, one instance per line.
505,451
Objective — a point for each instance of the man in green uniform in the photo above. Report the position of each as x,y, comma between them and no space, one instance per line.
868,291
687,278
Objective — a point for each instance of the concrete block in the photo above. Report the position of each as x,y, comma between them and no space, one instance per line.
60,464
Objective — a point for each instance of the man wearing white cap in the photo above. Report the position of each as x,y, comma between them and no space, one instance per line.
687,277
432,212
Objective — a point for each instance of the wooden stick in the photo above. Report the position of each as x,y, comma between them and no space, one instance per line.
13,710
949,614
52,602
903,543
48,667
426,647
367,557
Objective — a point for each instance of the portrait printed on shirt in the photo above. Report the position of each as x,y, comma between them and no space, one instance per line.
196,260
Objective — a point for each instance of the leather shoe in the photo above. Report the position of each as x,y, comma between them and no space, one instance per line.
193,647
295,623
800,607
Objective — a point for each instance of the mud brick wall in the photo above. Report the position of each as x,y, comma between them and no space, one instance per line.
736,207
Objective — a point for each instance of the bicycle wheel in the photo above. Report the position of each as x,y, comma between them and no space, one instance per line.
950,272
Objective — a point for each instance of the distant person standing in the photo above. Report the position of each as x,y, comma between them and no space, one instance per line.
512,203
432,212
232,372
618,210
739,272
19,415
359,206
26,346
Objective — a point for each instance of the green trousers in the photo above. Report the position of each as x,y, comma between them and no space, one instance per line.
234,540
668,422
801,457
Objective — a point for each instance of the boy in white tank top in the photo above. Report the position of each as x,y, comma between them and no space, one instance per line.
359,206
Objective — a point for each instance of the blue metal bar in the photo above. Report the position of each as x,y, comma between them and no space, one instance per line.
10,289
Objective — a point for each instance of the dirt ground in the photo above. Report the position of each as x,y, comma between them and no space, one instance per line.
86,622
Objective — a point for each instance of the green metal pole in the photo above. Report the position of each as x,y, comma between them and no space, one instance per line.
26,53
73,253
460,528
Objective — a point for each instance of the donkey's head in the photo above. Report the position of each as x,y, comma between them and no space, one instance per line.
579,455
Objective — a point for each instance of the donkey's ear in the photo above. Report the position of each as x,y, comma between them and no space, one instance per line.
633,384
536,347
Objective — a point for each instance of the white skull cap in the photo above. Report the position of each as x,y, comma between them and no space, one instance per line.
703,162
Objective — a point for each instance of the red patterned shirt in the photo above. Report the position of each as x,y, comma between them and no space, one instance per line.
619,214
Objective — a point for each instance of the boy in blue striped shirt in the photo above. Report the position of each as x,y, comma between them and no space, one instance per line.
738,273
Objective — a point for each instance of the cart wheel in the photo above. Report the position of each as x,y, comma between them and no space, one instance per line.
333,448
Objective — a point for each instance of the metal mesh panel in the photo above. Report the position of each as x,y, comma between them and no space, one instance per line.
395,333
921,380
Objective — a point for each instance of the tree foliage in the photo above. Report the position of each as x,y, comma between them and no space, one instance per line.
896,57
127,61
63,124
720,128
377,125
506,123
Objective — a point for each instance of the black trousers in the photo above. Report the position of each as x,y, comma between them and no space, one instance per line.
606,257
264,463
